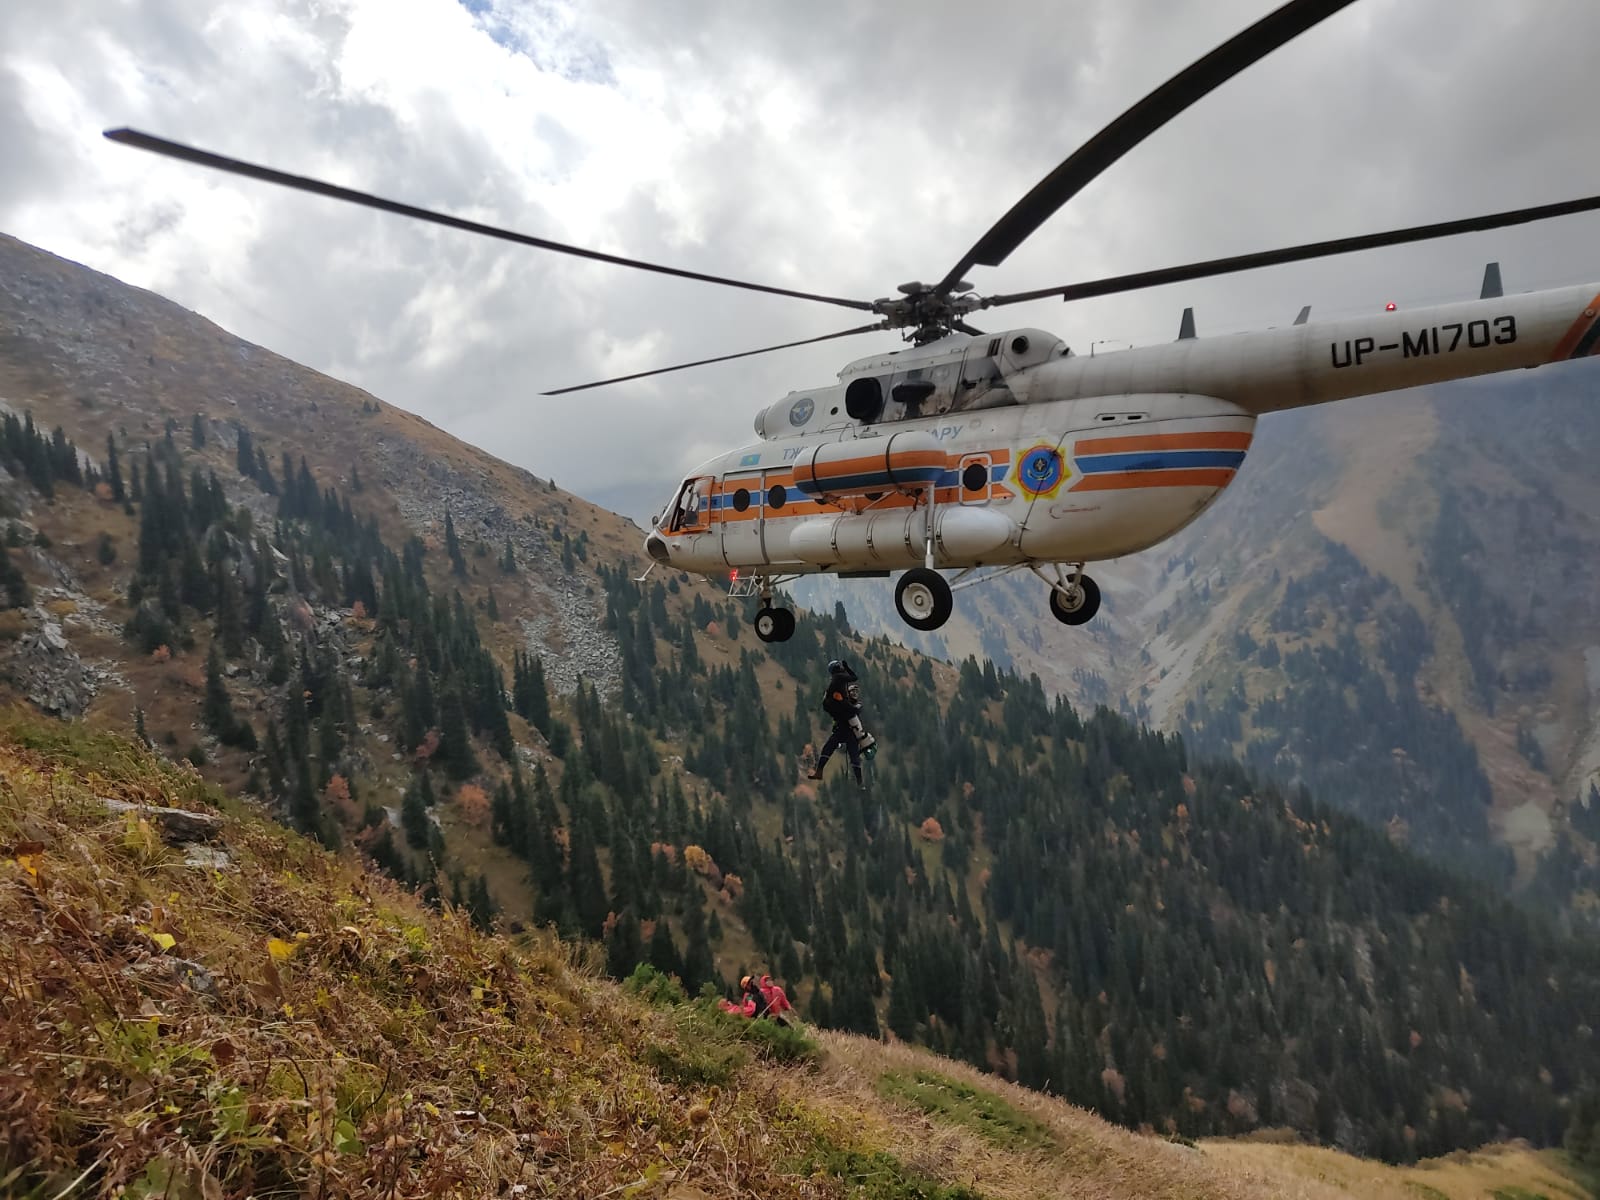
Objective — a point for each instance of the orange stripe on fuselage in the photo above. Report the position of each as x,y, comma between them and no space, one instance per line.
1574,335
1213,477
1219,440
914,460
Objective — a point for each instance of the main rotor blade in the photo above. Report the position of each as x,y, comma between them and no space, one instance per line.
827,337
1270,258
1138,123
204,158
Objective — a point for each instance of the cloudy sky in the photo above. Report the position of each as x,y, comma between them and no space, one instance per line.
835,146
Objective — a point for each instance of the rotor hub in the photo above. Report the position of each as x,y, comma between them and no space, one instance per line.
929,312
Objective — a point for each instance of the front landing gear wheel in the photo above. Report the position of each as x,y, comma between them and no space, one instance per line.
775,624
923,598
1075,605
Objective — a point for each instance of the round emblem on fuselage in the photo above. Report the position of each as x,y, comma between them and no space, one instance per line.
1039,472
800,411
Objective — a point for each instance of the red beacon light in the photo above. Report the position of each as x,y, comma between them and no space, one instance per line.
1389,307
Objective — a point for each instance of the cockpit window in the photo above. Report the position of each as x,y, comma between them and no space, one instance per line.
689,511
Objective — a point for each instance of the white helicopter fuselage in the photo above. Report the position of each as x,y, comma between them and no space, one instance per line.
1007,449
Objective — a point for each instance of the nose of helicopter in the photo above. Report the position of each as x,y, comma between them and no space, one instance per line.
656,547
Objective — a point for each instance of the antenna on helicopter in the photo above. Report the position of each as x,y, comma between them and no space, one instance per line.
1491,282
1186,325
1305,315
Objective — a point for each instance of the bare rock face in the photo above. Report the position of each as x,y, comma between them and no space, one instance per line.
49,672
178,826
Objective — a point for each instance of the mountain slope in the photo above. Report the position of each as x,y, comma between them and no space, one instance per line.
252,1014
409,649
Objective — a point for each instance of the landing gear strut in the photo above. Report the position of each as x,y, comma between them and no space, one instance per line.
1075,600
923,598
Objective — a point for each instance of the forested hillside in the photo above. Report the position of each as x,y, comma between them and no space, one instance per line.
489,707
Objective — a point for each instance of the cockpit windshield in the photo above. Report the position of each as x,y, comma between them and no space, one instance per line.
688,509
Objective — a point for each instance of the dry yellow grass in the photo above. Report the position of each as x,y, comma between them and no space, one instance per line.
1095,1160
1463,1176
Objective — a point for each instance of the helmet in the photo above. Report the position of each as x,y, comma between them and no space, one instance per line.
744,984
835,666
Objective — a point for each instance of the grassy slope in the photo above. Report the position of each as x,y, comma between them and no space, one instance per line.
360,1045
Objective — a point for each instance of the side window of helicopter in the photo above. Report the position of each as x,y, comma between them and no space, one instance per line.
945,376
980,376
863,399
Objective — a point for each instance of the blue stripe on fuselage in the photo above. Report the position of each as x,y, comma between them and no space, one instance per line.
1158,460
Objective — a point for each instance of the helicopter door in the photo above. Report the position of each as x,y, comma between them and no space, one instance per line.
974,476
743,511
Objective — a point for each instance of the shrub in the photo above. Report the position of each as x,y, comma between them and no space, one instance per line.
655,987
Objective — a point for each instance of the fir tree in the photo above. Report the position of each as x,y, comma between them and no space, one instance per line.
455,742
452,546
12,583
414,816
218,709
624,946
245,457
114,470
663,954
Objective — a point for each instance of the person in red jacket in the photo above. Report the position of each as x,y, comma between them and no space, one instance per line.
763,998
777,999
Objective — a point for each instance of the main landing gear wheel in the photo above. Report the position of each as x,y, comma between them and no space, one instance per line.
775,624
1075,605
923,598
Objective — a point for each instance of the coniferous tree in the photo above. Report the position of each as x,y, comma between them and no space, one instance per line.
455,742
480,905
245,455
699,966
624,945
263,475
414,816
218,709
114,470
12,582
197,432
663,954
452,546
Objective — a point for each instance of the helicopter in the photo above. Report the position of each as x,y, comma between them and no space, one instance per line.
986,453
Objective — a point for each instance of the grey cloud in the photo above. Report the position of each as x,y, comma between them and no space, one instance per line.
920,131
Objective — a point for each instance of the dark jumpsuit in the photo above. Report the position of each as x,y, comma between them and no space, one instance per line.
837,705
